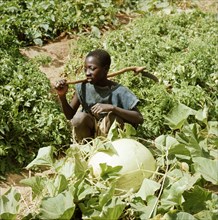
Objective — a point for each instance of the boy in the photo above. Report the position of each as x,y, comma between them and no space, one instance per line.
102,100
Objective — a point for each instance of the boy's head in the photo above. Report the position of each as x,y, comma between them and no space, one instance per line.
102,56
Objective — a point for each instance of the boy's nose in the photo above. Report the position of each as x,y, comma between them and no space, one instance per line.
88,73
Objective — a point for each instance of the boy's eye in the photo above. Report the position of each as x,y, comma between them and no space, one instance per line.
92,68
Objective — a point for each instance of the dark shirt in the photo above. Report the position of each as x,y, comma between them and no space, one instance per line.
116,95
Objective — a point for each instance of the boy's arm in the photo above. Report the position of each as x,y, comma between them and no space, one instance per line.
68,109
131,116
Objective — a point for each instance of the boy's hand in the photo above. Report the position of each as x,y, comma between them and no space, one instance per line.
61,87
100,108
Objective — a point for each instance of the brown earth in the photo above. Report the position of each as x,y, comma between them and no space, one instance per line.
58,52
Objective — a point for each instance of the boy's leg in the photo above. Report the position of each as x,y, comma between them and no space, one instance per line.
83,125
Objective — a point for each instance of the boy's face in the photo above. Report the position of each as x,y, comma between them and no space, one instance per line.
95,73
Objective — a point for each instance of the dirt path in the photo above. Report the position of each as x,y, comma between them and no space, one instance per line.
57,52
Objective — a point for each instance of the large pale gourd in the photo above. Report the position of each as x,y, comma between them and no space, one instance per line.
136,160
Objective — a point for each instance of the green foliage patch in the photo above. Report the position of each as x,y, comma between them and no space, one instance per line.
37,21
180,49
30,115
178,189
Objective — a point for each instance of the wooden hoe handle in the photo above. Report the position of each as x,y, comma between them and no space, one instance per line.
136,69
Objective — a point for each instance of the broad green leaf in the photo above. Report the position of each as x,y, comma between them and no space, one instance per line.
213,127
160,143
172,145
37,184
108,171
38,41
43,158
195,199
58,207
57,185
150,208
206,215
173,193
144,210
107,148
128,131
95,31
207,168
80,165
179,216
116,132
9,204
179,114
83,190
90,207
190,137
176,148
148,187
107,195
65,167
113,133
202,115
112,210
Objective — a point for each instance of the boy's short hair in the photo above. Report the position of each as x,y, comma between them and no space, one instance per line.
103,57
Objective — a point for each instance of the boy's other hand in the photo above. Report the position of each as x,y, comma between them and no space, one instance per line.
61,87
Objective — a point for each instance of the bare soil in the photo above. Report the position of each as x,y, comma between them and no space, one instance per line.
58,52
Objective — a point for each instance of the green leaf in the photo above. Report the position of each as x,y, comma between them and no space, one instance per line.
37,184
179,114
213,128
80,165
173,193
58,185
38,41
65,167
179,216
9,204
58,207
145,210
148,187
195,200
108,171
95,31
107,148
128,131
190,137
43,158
173,146
83,190
107,195
202,115
112,210
113,133
207,168
206,215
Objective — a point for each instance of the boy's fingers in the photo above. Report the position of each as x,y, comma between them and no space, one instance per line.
60,84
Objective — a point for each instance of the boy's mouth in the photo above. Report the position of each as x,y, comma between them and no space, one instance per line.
89,79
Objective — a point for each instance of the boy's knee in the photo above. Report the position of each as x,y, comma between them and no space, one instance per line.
77,119
82,119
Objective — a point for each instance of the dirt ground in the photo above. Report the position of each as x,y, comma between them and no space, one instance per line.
59,53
